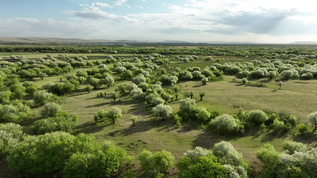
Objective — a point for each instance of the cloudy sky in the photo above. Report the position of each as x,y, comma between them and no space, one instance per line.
262,21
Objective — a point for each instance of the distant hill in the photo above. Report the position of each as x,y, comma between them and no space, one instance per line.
47,40
304,42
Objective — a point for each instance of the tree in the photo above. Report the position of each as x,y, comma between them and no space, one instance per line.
52,124
31,90
139,79
162,111
88,88
115,96
202,94
204,81
108,80
42,154
191,94
18,91
312,118
134,119
157,163
14,112
257,117
5,97
50,109
280,83
187,104
94,82
203,115
114,114
200,166
10,136
42,97
102,163
224,124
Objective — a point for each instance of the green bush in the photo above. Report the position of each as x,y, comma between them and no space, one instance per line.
257,117
302,128
52,124
44,154
204,166
102,163
14,112
289,147
42,97
50,109
225,124
10,136
157,163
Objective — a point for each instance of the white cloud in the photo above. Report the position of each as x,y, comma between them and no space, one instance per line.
120,2
197,20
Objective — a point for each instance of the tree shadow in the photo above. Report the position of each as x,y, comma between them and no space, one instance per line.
306,138
140,126
89,127
208,139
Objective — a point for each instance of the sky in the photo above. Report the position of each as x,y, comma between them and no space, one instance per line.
260,21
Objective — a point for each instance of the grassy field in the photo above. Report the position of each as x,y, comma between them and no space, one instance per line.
296,97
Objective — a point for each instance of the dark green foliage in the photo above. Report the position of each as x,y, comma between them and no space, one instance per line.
59,123
201,95
302,128
203,166
10,136
101,163
42,154
156,163
257,117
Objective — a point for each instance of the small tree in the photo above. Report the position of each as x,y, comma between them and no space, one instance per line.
201,95
115,96
42,97
280,83
50,109
114,114
88,88
191,94
134,119
204,81
162,111
224,124
312,118
157,163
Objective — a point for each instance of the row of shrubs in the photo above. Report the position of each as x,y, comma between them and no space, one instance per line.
242,121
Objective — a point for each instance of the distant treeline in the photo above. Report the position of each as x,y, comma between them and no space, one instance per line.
240,50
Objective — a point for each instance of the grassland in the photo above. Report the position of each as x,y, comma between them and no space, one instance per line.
296,97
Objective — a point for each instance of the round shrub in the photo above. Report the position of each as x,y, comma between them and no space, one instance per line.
50,109
244,81
224,124
42,97
302,128
204,81
312,118
257,117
